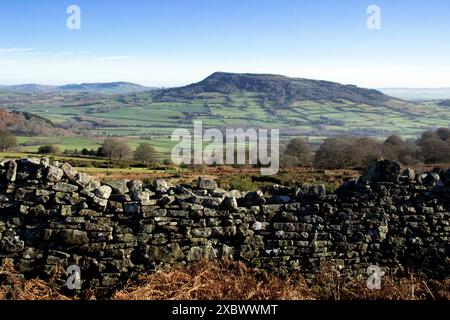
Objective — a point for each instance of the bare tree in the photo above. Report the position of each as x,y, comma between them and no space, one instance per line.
145,152
395,148
7,140
334,153
115,149
297,153
364,151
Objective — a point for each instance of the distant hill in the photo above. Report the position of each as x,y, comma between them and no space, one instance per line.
107,88
111,87
29,88
445,103
24,123
418,94
278,88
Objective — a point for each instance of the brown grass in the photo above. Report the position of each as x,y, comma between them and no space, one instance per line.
396,285
234,281
215,281
14,287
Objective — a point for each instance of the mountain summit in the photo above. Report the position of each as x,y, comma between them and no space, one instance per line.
278,88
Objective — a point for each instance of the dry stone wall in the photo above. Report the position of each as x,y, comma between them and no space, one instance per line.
51,215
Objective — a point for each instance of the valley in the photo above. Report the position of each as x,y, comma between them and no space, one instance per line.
85,114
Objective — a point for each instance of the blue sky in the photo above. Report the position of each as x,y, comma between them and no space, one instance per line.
175,42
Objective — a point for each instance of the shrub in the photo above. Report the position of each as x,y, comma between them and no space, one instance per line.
7,140
48,149
334,153
114,148
145,153
241,183
297,153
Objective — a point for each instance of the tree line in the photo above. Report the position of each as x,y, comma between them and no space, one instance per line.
356,152
118,149
344,151
111,148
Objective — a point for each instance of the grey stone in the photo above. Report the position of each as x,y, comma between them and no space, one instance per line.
65,187
132,207
169,253
161,185
69,171
82,179
11,170
54,174
230,203
11,244
254,198
166,200
207,184
201,232
141,195
118,187
409,174
102,203
280,199
431,179
103,192
201,253
382,171
135,185
75,237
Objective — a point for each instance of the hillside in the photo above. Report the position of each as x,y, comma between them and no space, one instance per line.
29,88
27,124
111,87
105,88
279,88
312,109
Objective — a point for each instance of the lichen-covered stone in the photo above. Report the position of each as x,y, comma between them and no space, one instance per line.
118,187
11,244
65,187
54,174
206,184
11,170
103,192
74,237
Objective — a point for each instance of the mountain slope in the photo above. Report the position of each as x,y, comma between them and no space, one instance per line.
24,123
29,88
278,88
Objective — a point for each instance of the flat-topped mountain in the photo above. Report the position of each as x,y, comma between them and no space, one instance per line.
278,88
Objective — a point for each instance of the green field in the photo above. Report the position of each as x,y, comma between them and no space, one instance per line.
138,118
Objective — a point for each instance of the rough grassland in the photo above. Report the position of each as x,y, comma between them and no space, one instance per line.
233,281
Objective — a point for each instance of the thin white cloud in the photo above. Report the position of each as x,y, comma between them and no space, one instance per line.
7,61
16,50
70,53
113,58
